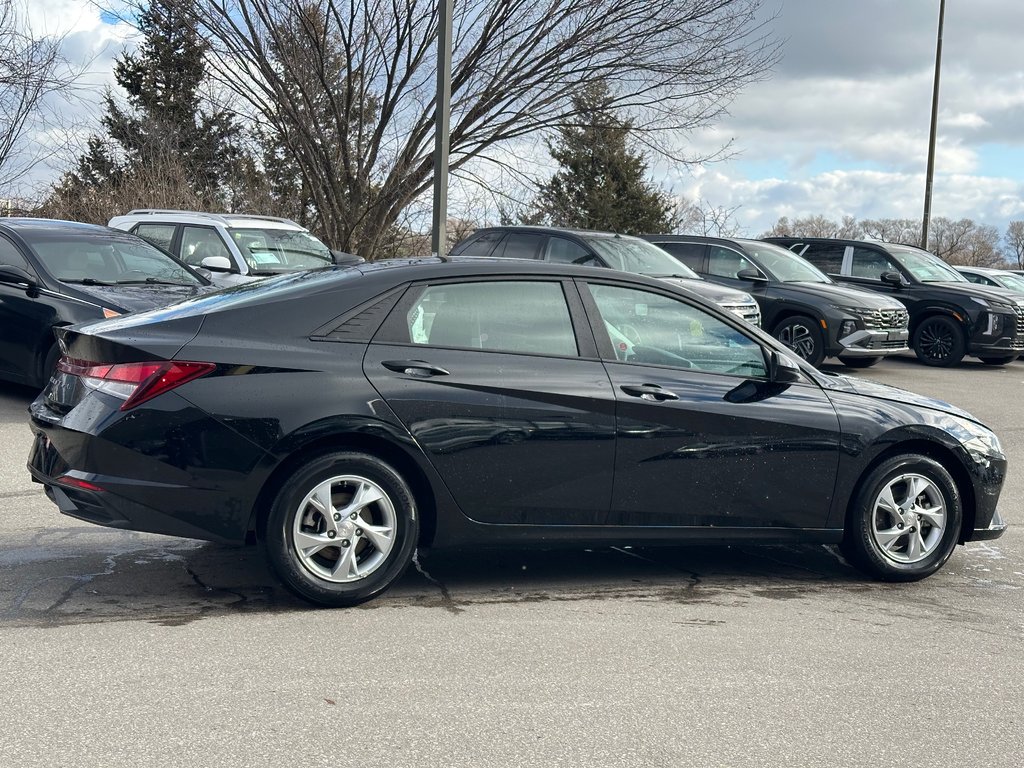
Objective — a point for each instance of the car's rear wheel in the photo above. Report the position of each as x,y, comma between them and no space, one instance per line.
859,362
939,341
1004,360
904,521
803,335
342,529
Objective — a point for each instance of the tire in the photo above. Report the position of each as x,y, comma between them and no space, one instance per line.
49,363
891,545
353,565
803,335
998,360
859,362
939,341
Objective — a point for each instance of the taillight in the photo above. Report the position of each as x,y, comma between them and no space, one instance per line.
135,383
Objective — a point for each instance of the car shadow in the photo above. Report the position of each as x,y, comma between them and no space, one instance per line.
85,574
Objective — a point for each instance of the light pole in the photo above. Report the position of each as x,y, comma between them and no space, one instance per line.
930,173
442,120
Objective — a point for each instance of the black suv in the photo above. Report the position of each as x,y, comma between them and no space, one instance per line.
949,316
602,249
800,306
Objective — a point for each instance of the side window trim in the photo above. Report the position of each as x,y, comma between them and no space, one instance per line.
847,268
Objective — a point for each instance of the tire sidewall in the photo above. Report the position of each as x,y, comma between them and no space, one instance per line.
959,345
278,536
859,542
816,334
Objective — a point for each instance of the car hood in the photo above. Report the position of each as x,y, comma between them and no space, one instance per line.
841,295
134,298
719,294
875,390
987,292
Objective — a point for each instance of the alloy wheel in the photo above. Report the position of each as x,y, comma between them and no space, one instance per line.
798,337
936,340
908,518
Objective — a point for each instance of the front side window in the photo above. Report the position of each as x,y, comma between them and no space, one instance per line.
562,251
11,256
631,254
505,316
480,244
871,264
785,266
725,262
198,243
926,267
648,328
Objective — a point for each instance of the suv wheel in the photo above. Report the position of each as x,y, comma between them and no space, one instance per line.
803,335
939,340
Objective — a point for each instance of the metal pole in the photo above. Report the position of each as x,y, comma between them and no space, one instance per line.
438,238
930,173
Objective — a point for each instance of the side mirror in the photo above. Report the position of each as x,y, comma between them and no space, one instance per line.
892,278
217,263
204,272
346,259
751,274
782,370
11,274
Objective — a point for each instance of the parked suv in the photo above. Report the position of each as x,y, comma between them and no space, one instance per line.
800,306
236,248
602,249
949,316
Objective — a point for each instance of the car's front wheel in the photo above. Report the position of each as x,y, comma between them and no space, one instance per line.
342,529
939,341
904,521
802,335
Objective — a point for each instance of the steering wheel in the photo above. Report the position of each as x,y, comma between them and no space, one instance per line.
631,334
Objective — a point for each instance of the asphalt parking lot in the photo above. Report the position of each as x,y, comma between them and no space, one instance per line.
121,648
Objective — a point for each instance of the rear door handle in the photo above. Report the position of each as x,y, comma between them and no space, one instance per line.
414,368
648,392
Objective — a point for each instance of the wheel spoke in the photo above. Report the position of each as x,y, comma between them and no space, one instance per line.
379,535
888,503
934,516
887,539
914,546
364,496
346,567
915,487
320,500
309,544
921,545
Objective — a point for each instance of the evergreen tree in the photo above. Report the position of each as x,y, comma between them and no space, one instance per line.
600,183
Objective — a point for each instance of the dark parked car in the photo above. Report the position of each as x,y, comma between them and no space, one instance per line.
345,417
949,316
800,306
601,249
56,273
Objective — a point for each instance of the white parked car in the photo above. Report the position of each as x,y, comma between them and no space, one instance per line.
235,248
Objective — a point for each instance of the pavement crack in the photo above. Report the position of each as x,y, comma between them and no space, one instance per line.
446,597
207,588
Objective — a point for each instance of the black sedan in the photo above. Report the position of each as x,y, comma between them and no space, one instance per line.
57,273
347,416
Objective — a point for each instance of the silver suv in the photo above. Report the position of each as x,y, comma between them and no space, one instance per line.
235,248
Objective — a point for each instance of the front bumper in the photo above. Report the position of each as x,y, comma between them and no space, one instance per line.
874,343
994,530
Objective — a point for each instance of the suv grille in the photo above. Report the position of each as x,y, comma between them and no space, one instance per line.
1018,339
889,319
749,312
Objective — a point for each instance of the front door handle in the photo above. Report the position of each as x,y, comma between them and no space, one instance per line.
414,368
649,392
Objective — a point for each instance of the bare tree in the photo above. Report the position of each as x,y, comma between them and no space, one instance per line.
893,230
1015,242
965,242
31,69
349,86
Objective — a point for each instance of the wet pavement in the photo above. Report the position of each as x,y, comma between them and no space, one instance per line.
121,648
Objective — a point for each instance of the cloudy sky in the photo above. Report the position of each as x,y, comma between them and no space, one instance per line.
840,127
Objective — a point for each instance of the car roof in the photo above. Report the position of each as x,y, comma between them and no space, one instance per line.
554,230
26,223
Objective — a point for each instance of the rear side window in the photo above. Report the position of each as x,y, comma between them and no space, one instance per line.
480,244
161,235
828,258
691,254
503,316
521,245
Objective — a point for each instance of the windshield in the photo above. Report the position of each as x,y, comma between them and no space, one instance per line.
100,258
631,254
1009,281
280,250
785,266
925,266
